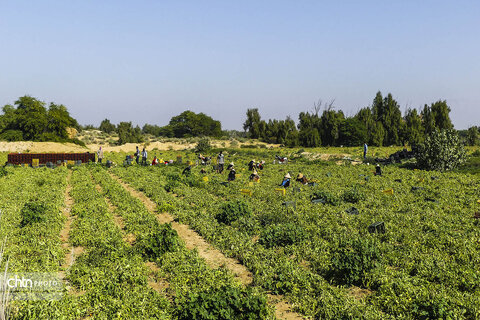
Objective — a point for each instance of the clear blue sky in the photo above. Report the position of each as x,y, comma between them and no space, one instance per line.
145,61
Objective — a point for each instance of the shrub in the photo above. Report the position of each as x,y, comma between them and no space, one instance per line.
281,235
203,145
442,151
33,212
327,197
232,211
227,302
352,259
161,240
353,195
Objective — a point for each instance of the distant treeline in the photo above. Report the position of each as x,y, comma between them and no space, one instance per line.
380,124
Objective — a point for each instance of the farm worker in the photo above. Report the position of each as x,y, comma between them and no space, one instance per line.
301,178
251,165
254,176
221,162
187,170
100,155
137,155
230,166
365,149
154,161
144,157
203,171
231,175
286,181
260,165
378,170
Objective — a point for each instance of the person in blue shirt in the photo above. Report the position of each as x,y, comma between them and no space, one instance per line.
365,149
286,181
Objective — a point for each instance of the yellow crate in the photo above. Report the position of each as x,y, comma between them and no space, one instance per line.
70,162
478,201
246,192
205,179
250,184
35,162
388,191
282,191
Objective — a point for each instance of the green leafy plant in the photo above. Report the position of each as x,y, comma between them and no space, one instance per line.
232,211
154,244
442,151
33,212
352,259
203,145
282,235
226,302
327,197
353,195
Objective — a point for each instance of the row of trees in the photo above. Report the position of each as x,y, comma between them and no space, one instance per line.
30,119
186,124
380,124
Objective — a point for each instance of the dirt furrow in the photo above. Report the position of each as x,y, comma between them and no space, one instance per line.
212,256
65,232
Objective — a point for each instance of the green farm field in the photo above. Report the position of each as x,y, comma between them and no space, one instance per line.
135,242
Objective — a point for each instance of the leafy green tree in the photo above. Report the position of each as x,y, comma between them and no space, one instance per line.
366,117
106,126
252,124
31,117
473,136
308,126
387,112
352,132
59,120
442,151
414,131
190,124
378,134
330,126
128,134
436,117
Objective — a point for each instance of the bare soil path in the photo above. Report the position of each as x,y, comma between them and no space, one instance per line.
65,232
213,257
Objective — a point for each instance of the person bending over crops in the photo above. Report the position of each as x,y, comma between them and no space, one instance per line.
302,179
187,170
254,176
203,171
378,170
286,181
154,161
251,165
231,175
260,165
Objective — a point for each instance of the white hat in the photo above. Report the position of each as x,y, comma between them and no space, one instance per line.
287,176
231,163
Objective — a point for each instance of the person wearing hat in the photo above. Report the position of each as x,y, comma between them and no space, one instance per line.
302,179
230,166
254,176
251,165
286,181
231,175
